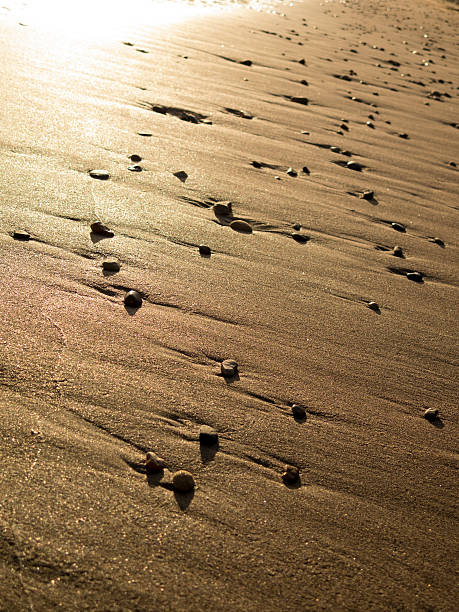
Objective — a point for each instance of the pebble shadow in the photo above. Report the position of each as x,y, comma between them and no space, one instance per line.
208,452
184,499
95,238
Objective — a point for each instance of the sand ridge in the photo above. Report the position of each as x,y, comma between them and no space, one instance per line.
264,112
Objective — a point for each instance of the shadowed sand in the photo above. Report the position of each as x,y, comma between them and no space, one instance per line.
292,119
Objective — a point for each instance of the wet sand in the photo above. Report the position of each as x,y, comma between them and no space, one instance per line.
88,385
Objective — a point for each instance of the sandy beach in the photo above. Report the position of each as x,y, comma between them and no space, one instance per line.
279,189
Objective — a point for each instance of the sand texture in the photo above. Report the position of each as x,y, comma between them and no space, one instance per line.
300,149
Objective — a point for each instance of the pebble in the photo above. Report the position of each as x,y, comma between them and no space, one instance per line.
102,175
301,238
135,168
208,435
256,164
229,368
246,62
135,158
352,165
147,134
397,251
223,209
438,241
371,125
414,276
181,175
204,250
298,412
111,265
297,227
399,227
405,136
306,170
292,172
133,299
183,481
241,226
153,463
453,164
291,474
102,230
367,195
431,414
21,235
373,306
335,149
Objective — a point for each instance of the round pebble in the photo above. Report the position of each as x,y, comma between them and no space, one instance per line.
102,175
135,158
135,168
111,265
353,165
431,414
102,230
21,235
292,172
133,299
370,125
153,463
397,251
291,474
297,226
398,227
241,226
229,368
335,149
306,170
208,435
183,481
298,412
204,250
414,276
373,306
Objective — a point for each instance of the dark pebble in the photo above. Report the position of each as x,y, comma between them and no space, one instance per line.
397,251
229,368
241,226
204,249
256,164
181,175
301,238
302,62
431,414
102,230
135,168
133,299
223,209
404,136
438,241
352,165
368,195
292,172
398,227
291,474
306,170
414,276
297,227
135,158
453,164
111,265
246,62
102,175
146,134
153,463
335,149
21,235
208,436
298,412
370,125
373,306
183,481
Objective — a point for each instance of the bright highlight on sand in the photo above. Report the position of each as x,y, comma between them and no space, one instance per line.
102,18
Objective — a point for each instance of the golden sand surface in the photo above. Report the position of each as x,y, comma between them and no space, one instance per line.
88,386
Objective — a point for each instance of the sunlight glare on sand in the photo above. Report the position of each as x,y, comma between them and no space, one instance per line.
102,18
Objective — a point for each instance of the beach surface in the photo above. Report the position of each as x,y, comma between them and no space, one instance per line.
301,147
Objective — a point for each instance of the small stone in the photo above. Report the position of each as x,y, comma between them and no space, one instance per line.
102,175
297,227
371,125
223,209
335,149
344,127
246,62
256,164
306,170
229,368
397,251
153,463
301,238
183,481
414,276
204,250
404,136
135,158
208,435
373,306
438,241
135,168
146,134
291,474
111,265
241,226
367,195
298,412
353,165
399,227
431,414
292,172
302,62
21,235
133,299
181,175
452,164
102,230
